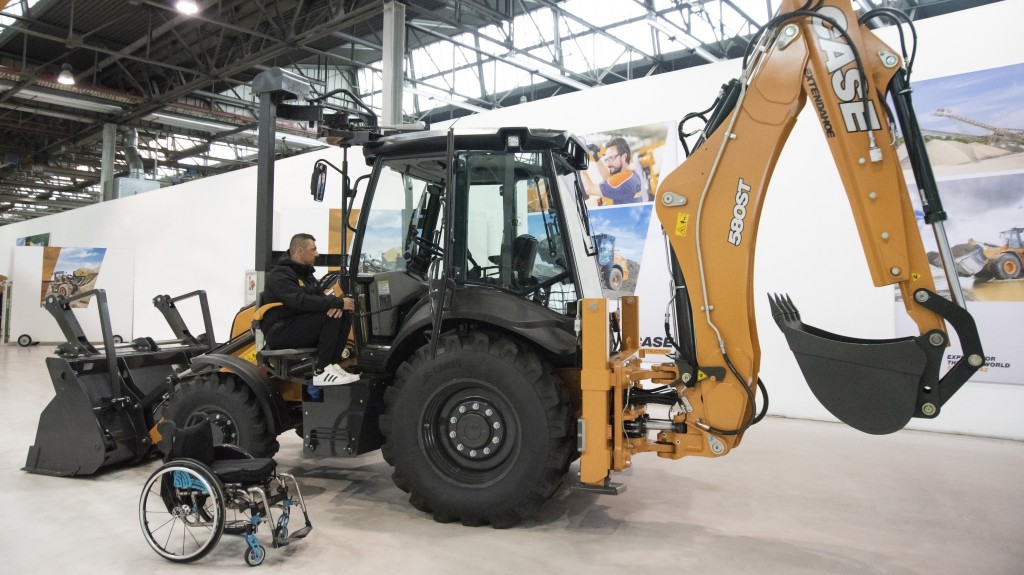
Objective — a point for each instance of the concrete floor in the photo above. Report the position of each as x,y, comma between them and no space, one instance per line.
796,497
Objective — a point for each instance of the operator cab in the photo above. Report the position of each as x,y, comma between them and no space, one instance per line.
515,211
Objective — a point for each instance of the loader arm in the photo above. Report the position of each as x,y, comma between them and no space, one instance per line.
710,207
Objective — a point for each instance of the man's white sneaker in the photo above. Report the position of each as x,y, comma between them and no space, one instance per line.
334,375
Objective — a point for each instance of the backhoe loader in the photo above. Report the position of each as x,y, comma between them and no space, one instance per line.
489,359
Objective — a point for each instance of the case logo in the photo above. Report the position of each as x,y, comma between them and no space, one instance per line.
848,85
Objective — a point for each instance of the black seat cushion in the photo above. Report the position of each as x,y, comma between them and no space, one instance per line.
246,471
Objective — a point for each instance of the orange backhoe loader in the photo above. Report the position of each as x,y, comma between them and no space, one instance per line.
489,360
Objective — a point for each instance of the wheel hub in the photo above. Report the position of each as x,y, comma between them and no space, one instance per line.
475,429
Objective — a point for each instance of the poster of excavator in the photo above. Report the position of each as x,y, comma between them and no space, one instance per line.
70,271
973,126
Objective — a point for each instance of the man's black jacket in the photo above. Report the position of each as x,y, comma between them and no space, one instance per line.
293,285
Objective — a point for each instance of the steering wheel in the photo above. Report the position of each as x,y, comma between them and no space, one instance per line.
430,247
329,280
546,284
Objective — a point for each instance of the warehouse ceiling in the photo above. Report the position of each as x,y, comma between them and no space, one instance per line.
173,89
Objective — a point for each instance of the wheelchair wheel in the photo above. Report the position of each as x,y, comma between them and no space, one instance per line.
254,557
181,511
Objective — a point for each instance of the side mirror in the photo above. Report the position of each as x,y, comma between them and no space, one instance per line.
318,182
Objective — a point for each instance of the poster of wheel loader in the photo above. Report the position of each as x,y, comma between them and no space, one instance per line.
69,271
984,260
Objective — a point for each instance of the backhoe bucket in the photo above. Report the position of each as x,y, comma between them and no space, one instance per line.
875,386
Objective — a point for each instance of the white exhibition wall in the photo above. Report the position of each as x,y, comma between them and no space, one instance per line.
200,235
196,235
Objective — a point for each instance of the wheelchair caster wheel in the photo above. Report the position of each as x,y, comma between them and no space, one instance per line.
254,557
24,340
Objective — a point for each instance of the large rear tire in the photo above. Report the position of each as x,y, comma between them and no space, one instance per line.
1008,267
482,433
230,407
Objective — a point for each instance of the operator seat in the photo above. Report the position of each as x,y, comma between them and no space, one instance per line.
297,362
524,255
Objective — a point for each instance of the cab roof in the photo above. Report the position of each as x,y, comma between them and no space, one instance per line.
568,146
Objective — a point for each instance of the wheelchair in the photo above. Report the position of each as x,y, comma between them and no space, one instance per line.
202,491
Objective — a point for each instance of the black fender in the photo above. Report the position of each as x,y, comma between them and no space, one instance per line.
259,382
550,331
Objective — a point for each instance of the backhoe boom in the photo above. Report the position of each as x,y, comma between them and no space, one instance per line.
710,207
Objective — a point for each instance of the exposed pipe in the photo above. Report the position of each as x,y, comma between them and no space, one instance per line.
136,170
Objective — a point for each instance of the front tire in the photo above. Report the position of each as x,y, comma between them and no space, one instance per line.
481,433
230,407
614,278
1007,267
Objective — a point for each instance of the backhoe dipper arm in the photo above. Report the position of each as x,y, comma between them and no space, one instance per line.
711,204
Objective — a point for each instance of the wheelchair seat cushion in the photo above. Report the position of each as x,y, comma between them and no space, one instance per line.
245,471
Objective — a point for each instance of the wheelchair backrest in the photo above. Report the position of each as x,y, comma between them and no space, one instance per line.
192,442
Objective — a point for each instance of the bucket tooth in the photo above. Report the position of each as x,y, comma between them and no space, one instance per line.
871,385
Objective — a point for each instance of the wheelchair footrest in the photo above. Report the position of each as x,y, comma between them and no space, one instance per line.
299,534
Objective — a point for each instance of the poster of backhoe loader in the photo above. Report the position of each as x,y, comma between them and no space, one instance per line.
619,237
70,271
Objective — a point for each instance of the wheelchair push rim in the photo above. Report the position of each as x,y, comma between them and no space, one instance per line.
181,511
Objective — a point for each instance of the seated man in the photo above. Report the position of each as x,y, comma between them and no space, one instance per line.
308,318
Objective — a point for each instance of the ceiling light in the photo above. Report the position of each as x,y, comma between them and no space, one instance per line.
66,77
188,7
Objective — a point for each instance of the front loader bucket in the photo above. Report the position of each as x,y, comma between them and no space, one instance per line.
875,386
81,430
